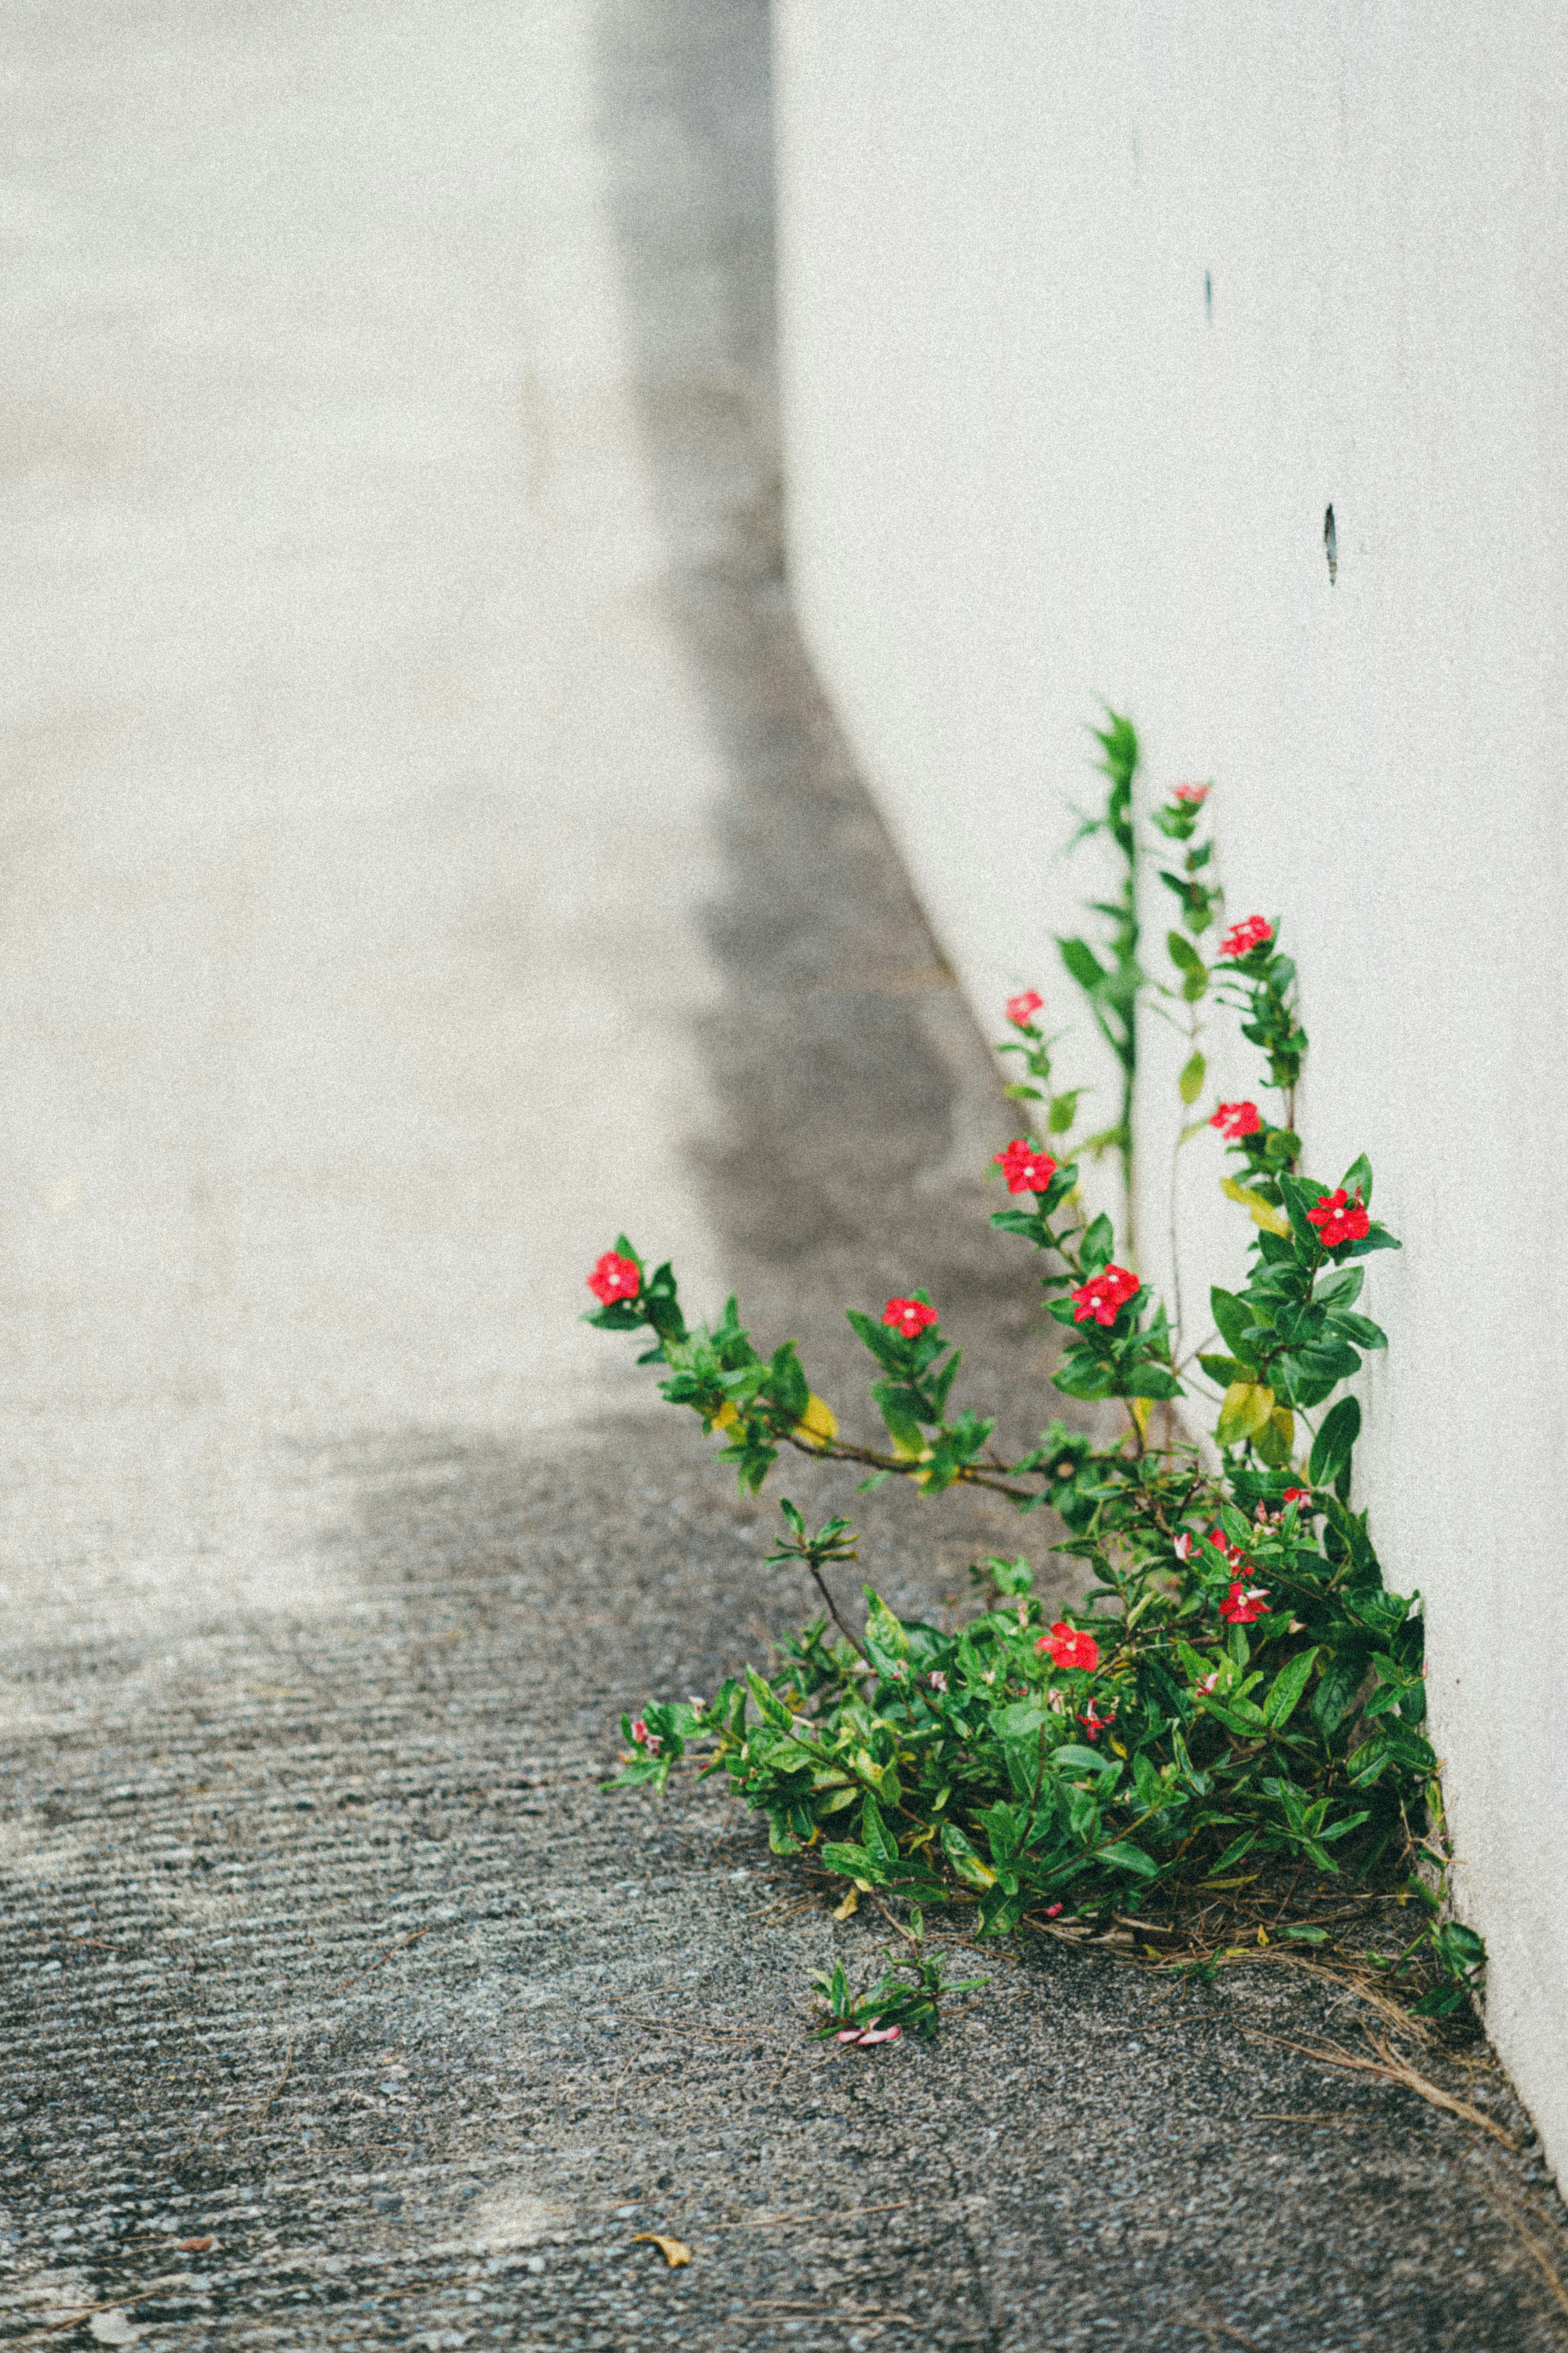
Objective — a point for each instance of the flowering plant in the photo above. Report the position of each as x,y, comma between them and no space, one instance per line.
1237,1700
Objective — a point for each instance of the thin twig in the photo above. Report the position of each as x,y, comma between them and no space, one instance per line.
853,1641
386,1954
1211,2319
86,2311
1391,2069
1553,2278
826,2214
277,2087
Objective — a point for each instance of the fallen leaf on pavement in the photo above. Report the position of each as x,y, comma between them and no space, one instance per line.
674,2250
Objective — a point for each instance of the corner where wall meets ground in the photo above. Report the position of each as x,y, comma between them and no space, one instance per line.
1088,318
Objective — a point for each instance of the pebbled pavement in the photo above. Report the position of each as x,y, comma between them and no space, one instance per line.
341,2009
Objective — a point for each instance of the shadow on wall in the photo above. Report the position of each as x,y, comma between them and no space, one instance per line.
858,1106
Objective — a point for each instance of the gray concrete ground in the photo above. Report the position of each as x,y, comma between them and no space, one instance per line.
426,850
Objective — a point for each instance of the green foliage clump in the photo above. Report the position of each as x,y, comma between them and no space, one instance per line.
1239,1699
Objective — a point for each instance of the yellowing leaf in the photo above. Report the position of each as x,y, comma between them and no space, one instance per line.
1247,1406
851,1903
1140,1409
1278,1435
1262,1213
674,2250
1190,1082
818,1420
724,1417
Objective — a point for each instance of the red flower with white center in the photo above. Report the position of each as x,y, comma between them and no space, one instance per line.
1070,1648
644,1737
1339,1219
1095,1725
615,1277
1182,1546
1242,938
908,1318
1233,1553
1022,1009
1297,1495
1235,1120
1104,1295
1194,795
1027,1170
1243,1603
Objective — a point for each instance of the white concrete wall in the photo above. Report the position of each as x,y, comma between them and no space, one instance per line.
1029,463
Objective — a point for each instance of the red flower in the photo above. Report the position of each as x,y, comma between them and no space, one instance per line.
1104,1295
1298,1495
1236,1120
1338,1220
1027,1170
1022,1009
1182,1546
1094,1725
1242,938
1243,1603
644,1738
1068,1648
908,1318
1194,795
1233,1553
615,1277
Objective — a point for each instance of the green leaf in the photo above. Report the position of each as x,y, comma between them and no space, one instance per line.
1233,1318
882,1627
853,1863
1287,1688
1099,1242
1357,1177
1331,1449
1300,1195
1083,965
963,1859
769,1703
791,1389
1190,1082
1126,1857
884,1343
1183,954
875,1836
1361,1329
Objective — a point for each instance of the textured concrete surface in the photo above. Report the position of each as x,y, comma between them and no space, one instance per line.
447,857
